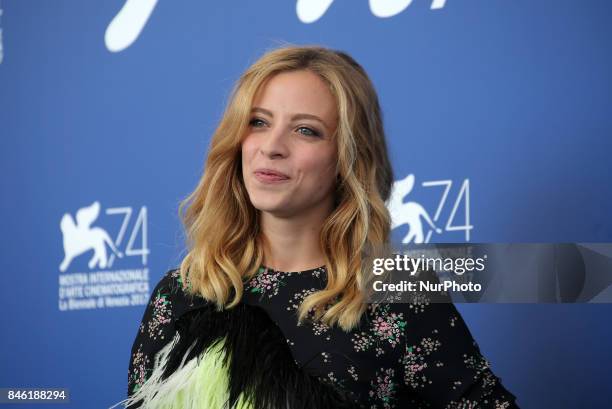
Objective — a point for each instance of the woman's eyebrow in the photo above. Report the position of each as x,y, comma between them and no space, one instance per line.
294,117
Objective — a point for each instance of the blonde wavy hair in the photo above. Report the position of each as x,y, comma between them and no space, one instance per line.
225,246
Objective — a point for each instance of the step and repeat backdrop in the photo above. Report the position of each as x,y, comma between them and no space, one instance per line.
498,119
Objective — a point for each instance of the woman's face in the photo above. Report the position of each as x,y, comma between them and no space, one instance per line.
288,156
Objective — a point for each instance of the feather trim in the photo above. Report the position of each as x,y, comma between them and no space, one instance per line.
201,383
237,358
259,360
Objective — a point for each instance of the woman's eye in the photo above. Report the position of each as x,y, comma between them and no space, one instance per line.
256,122
309,132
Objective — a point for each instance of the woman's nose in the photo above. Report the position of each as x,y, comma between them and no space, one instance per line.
274,143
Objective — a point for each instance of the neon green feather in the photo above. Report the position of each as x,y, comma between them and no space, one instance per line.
196,385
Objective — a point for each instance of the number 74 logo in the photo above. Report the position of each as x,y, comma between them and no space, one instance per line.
413,213
80,236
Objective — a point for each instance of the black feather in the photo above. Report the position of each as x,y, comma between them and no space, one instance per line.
260,362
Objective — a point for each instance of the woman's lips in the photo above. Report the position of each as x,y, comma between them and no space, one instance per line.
266,177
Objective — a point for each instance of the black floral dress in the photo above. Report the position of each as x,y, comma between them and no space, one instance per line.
415,355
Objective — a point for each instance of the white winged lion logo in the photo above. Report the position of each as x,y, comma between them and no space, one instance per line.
409,213
80,237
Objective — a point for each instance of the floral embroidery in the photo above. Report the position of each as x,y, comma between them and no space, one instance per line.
414,362
387,328
482,369
383,388
140,363
266,281
488,381
160,316
501,405
176,274
317,272
318,327
462,404
297,299
476,362
353,372
418,303
362,341
331,379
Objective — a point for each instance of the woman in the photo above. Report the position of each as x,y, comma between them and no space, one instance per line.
267,309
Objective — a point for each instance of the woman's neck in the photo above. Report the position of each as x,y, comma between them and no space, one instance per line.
292,244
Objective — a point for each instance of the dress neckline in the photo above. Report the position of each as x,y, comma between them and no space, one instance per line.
263,268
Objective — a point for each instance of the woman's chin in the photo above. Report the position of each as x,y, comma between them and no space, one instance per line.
278,210
269,206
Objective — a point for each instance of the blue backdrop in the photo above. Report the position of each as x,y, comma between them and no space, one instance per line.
500,111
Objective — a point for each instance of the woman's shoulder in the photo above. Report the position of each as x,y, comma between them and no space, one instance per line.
172,295
171,281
